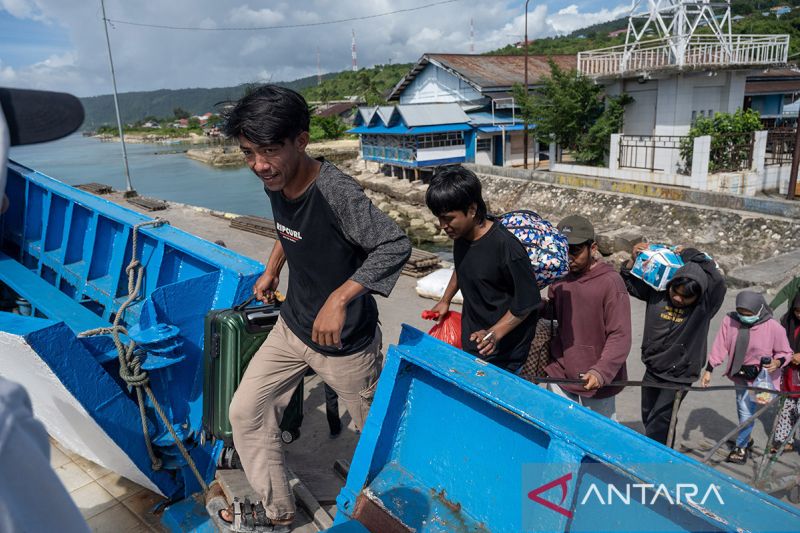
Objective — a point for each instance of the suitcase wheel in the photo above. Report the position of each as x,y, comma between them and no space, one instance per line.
290,436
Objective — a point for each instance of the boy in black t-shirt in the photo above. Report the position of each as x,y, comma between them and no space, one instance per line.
492,270
340,250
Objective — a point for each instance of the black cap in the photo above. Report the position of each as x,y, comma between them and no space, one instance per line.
39,116
576,229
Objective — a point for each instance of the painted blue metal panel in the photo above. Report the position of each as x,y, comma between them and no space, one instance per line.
497,129
77,279
454,444
382,130
469,142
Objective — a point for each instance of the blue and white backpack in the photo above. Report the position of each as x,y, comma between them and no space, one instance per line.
546,246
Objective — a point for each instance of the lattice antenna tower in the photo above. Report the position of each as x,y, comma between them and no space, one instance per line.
676,22
471,37
353,48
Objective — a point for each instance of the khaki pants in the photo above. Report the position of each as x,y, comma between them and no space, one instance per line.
266,388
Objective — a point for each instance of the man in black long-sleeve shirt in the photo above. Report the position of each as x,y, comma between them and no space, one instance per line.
341,249
674,342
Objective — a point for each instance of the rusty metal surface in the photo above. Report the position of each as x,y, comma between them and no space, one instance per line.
489,73
375,517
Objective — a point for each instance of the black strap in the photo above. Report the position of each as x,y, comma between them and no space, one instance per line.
241,306
669,386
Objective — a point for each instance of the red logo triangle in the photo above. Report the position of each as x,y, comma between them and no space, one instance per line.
560,482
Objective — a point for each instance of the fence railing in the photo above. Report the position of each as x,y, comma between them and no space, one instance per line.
649,152
389,153
731,152
699,51
780,147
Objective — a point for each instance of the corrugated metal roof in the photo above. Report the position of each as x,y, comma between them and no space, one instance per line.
488,73
385,112
334,109
365,114
402,130
484,118
752,88
773,81
432,114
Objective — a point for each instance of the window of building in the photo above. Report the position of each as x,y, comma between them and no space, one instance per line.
438,140
484,145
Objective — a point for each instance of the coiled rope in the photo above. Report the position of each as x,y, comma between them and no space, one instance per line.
130,365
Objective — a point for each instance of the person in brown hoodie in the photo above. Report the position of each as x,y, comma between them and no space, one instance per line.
593,311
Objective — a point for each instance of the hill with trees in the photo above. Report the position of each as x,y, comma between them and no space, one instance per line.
137,106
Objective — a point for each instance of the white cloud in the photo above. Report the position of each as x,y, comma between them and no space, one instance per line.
149,58
254,17
569,19
21,9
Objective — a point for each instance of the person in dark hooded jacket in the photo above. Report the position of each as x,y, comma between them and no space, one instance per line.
674,342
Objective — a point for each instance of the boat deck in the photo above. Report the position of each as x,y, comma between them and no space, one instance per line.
107,501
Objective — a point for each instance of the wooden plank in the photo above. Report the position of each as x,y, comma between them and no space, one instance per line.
150,204
95,188
234,484
322,485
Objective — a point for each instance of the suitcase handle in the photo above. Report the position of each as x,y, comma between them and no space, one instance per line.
252,298
247,302
260,319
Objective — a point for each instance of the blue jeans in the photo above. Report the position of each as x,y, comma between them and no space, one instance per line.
745,406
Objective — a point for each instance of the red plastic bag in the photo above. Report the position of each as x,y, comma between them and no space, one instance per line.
448,330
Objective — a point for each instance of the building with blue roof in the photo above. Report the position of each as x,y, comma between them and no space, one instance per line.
452,108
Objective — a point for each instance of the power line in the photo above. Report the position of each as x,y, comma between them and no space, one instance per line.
283,27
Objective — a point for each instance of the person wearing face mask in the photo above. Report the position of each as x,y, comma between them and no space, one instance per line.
674,341
745,337
790,411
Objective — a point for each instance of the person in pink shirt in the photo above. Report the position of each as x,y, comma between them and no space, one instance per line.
744,338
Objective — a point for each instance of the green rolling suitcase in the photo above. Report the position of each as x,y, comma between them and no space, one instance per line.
232,337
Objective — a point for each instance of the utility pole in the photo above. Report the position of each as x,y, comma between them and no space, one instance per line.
524,115
795,160
129,191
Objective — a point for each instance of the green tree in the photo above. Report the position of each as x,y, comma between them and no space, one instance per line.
368,88
563,109
595,145
329,127
731,139
571,110
180,112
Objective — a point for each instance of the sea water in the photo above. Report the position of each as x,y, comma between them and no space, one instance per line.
158,171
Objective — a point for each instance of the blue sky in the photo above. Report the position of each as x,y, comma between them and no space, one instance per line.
59,44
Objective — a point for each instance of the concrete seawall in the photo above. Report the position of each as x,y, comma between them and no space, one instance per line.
735,237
